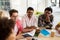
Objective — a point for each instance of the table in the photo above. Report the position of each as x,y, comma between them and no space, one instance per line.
48,38
45,38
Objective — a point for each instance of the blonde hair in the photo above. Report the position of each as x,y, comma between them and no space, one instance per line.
3,13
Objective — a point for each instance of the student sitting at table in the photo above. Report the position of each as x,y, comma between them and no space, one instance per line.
57,29
29,21
18,29
6,29
46,19
18,25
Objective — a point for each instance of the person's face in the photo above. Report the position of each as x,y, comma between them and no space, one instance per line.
47,13
30,13
14,16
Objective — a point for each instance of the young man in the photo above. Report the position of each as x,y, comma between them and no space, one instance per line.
29,20
14,16
46,19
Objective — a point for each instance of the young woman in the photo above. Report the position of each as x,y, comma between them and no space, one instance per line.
6,29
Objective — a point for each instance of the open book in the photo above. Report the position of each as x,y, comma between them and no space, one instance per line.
32,33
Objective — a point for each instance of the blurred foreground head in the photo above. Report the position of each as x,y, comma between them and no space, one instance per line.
6,29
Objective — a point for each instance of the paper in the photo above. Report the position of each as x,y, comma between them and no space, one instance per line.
32,33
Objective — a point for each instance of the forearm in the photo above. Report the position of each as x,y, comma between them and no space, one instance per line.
47,19
26,30
31,27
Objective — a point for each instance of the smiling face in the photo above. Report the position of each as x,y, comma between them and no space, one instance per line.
30,13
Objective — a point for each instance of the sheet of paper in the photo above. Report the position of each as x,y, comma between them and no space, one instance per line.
31,33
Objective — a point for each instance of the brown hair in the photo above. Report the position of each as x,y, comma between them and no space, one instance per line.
6,26
57,26
12,11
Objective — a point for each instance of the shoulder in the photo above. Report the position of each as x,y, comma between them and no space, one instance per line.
41,15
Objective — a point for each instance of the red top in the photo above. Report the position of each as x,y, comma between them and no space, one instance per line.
19,25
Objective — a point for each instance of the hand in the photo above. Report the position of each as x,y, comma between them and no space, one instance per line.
29,30
33,27
19,37
47,19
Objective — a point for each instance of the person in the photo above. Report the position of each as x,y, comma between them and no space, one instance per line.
18,25
6,29
57,28
46,19
29,21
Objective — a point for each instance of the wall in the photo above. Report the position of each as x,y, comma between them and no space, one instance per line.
19,5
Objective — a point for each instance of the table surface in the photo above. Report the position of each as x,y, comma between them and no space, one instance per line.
47,38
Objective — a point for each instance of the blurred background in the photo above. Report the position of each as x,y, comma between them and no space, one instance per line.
38,5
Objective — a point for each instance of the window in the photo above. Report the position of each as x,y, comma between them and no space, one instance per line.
53,2
5,4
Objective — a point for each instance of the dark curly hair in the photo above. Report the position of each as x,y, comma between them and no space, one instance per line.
6,26
30,8
49,9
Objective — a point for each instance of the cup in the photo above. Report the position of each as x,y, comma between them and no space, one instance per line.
52,33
